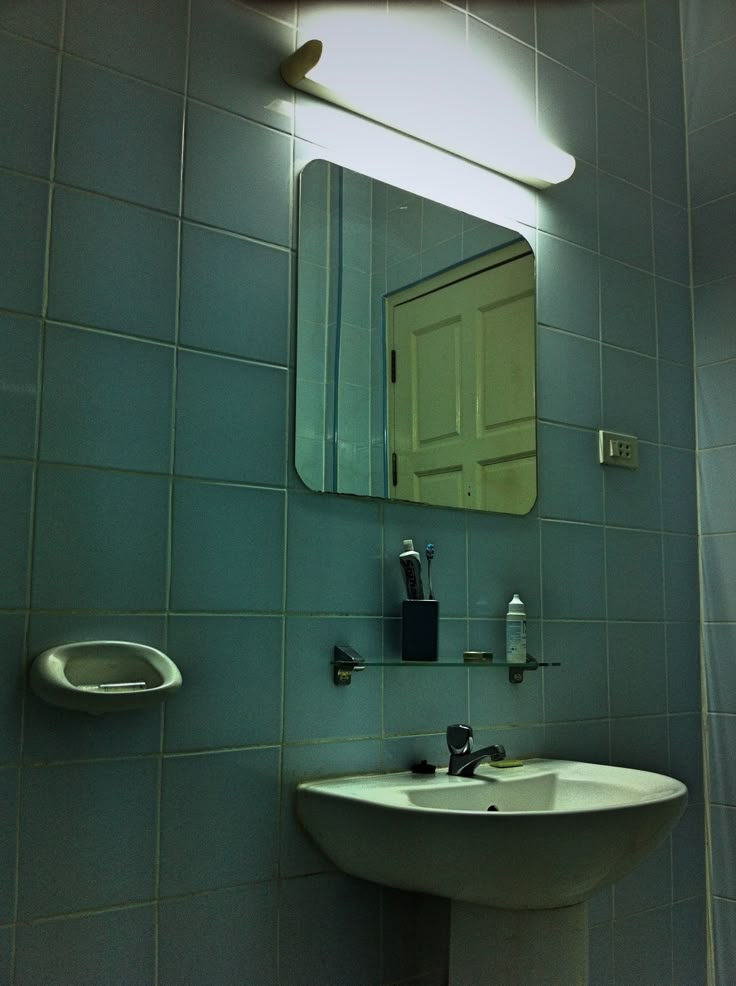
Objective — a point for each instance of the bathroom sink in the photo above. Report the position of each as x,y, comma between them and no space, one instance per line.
546,834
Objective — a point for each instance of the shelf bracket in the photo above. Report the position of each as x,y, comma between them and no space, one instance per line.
345,660
516,674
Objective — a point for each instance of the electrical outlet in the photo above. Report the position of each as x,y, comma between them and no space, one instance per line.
618,450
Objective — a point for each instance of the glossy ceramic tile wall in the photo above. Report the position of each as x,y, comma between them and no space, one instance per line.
710,74
147,162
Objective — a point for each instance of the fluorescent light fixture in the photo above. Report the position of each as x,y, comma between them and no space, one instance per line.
464,108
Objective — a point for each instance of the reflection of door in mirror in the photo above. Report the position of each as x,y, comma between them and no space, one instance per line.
461,405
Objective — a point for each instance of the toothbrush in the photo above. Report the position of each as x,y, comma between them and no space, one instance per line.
429,552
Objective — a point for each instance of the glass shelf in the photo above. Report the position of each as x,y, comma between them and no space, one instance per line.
346,661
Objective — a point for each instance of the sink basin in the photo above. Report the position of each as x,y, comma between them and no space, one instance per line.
546,834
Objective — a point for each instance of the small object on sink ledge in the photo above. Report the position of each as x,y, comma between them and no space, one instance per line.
477,656
98,676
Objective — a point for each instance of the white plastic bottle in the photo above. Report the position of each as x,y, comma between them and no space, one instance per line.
516,631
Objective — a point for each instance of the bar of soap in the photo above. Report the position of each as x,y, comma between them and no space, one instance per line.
507,763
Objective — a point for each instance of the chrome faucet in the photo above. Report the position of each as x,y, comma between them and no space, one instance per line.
463,758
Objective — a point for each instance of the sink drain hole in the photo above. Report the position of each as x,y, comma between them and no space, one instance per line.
492,808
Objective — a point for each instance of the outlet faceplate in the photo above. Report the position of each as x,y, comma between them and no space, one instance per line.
618,450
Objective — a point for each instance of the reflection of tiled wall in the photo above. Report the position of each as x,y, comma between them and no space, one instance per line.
710,75
147,193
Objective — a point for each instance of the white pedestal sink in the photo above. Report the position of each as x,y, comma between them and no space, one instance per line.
517,850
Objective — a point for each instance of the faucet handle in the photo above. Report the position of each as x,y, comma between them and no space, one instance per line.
459,738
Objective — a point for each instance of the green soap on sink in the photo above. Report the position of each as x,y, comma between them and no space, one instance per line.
507,763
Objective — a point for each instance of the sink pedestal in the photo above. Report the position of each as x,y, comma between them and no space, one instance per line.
489,946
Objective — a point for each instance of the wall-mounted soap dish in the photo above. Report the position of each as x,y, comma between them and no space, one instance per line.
104,676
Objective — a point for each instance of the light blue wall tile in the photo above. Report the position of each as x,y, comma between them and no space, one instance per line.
233,54
284,10
567,35
710,149
106,401
19,349
316,579
560,497
663,23
688,853
237,175
511,59
15,507
575,740
624,214
669,175
12,634
580,691
633,496
113,266
600,954
28,84
627,307
239,927
681,577
443,528
445,699
637,668
683,667
679,495
572,571
723,837
689,943
230,420
100,540
676,402
119,136
24,207
641,743
720,665
40,20
569,210
671,253
716,410
503,558
511,18
711,82
621,62
232,669
92,948
495,701
631,409
634,570
52,733
623,140
712,240
567,109
567,287
228,546
150,44
714,307
109,827
566,357
674,322
234,795
686,753
235,295
8,837
642,948
666,97
648,885
305,956
299,854
313,707
717,476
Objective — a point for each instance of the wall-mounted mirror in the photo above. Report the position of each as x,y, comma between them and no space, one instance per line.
415,348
